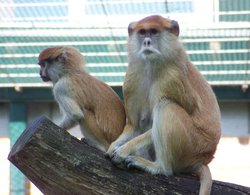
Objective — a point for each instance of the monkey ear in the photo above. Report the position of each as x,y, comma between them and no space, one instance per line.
131,27
175,28
63,57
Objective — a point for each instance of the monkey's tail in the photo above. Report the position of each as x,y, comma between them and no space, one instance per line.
205,180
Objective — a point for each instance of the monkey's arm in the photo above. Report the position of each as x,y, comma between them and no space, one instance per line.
71,111
122,153
68,106
126,135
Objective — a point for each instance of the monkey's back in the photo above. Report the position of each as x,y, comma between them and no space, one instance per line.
98,98
208,107
207,117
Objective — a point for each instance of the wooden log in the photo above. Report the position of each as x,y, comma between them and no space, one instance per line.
58,163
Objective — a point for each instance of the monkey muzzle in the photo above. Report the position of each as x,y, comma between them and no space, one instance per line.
44,78
149,51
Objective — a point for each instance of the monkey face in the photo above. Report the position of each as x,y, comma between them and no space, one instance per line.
51,70
149,42
57,62
44,71
153,37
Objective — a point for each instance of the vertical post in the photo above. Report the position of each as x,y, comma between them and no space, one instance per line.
17,123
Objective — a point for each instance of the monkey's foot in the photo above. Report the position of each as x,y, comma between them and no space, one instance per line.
143,164
132,163
110,151
118,158
112,148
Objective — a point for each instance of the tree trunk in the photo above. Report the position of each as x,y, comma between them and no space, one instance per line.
58,163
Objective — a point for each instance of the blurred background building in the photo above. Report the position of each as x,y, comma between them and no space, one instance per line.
216,34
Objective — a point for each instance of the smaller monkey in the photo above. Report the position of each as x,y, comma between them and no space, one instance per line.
82,98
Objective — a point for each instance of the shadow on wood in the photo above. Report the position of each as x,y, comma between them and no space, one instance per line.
58,163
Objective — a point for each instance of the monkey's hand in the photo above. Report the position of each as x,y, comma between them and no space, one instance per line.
127,134
116,145
132,163
67,124
122,159
112,148
119,155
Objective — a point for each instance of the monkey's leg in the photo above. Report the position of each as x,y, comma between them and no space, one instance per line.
158,139
178,145
170,138
93,132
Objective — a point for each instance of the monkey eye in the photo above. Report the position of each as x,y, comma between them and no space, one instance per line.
142,32
153,31
40,63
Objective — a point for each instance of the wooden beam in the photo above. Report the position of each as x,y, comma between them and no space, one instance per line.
58,163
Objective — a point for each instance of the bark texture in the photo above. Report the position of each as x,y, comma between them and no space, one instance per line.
58,163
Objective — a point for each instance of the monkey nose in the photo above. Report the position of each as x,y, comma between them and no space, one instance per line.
147,42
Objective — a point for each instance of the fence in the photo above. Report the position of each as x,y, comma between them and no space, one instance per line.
215,33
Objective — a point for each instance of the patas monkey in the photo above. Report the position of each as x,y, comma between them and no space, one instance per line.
82,98
163,88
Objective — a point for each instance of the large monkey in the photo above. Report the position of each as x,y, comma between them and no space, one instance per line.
169,102
82,98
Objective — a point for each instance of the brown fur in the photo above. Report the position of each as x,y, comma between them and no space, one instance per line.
170,103
82,98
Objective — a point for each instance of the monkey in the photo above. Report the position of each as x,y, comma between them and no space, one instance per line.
82,98
168,103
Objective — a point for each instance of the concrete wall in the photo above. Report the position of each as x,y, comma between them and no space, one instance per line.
4,119
235,118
